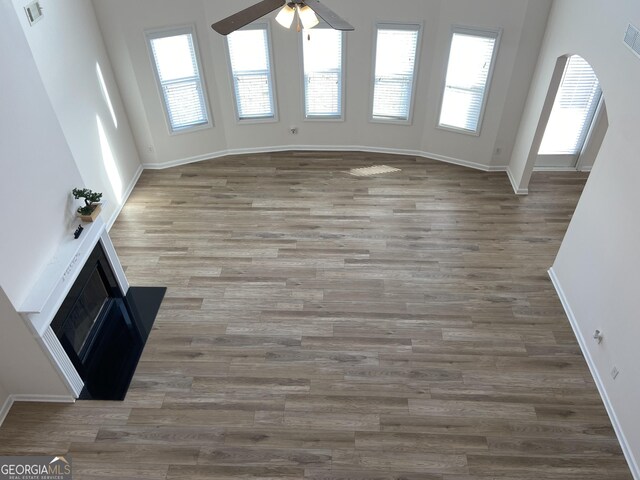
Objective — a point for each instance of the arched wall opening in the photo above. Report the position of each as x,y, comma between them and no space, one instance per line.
589,147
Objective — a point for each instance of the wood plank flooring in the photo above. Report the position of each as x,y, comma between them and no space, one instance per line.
322,326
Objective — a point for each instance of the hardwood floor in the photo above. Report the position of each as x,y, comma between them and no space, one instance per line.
329,327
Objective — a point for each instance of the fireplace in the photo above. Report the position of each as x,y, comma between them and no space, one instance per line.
91,324
97,330
91,305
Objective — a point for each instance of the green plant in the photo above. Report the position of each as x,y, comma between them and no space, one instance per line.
90,199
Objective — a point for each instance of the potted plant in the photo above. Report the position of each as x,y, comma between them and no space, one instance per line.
91,208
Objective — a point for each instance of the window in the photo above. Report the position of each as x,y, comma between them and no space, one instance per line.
573,110
251,71
323,82
175,63
394,72
471,61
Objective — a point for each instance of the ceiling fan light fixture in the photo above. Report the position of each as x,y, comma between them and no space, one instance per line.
307,17
285,16
307,11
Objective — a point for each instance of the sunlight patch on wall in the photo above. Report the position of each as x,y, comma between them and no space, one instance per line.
105,94
110,162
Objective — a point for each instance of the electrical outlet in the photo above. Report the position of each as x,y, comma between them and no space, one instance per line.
34,12
614,372
294,130
597,336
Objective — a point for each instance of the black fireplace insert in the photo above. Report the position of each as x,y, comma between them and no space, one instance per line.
103,331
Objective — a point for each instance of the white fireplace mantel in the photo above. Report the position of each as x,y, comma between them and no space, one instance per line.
53,285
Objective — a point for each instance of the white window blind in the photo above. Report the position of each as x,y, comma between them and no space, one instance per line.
178,74
251,71
468,74
322,58
573,110
395,68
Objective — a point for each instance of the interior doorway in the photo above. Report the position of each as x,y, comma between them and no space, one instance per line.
577,123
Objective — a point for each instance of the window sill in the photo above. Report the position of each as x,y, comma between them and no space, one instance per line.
462,131
193,129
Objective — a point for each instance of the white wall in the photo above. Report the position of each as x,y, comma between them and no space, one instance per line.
67,46
38,171
123,23
37,175
4,397
26,371
522,74
594,141
523,30
597,266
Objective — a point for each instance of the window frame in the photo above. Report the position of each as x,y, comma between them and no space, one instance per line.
252,120
155,33
410,26
343,78
495,33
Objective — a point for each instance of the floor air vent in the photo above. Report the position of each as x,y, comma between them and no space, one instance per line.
375,170
632,39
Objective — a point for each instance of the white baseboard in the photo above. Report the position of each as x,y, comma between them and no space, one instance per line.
4,410
125,197
11,399
43,398
514,184
626,449
554,169
562,169
326,148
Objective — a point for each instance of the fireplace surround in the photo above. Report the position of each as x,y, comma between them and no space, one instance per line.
88,320
97,331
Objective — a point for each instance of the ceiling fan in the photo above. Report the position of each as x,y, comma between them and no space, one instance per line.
306,9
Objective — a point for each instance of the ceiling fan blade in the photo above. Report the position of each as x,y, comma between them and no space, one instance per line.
246,16
328,15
